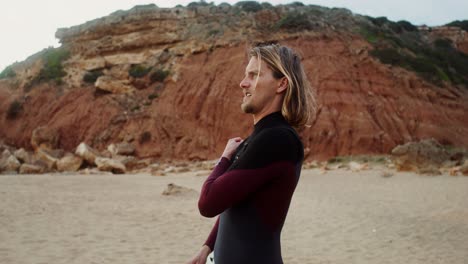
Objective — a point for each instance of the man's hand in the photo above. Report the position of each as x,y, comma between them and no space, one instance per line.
200,258
231,147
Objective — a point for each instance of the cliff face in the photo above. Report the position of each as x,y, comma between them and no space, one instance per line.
364,105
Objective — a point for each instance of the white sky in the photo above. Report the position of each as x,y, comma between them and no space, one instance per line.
27,27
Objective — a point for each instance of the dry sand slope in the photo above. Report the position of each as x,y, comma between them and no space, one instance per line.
338,217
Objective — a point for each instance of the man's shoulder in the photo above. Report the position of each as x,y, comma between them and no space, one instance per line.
278,140
279,133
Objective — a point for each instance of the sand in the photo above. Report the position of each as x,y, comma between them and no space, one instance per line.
337,217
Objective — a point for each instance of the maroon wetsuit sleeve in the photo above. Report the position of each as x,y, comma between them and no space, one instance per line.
220,168
210,241
224,191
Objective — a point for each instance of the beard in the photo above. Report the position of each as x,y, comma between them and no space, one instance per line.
247,108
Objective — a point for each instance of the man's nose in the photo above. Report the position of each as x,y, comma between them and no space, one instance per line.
244,83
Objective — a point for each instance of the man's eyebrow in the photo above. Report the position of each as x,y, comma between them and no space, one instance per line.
255,72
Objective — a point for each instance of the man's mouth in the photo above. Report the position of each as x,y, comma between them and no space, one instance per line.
248,94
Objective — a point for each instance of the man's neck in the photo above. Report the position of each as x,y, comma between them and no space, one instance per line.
274,106
260,116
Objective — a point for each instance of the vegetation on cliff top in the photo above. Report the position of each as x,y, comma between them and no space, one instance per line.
8,72
396,43
401,44
461,24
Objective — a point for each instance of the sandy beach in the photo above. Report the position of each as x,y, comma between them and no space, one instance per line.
336,217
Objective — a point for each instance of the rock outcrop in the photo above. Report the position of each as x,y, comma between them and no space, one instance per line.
176,190
419,155
8,162
45,138
109,84
45,160
171,86
87,153
69,162
114,166
456,35
428,157
31,169
121,149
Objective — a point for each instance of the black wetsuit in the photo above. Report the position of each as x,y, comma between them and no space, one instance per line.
252,194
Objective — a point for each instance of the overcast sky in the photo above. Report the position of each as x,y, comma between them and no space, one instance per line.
27,27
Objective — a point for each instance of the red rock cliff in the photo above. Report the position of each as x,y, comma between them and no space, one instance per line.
365,107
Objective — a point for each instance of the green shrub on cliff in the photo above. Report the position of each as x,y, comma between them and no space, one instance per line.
443,44
15,108
91,76
138,71
296,4
249,6
199,3
159,75
422,65
461,24
294,21
405,25
52,69
266,5
8,72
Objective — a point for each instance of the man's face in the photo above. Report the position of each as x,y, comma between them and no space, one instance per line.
259,87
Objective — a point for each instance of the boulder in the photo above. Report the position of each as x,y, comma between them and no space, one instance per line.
355,166
44,137
176,190
414,156
5,153
464,168
454,171
112,165
311,165
31,169
4,147
69,162
87,153
9,164
112,85
156,169
132,163
47,158
106,154
23,156
386,174
121,149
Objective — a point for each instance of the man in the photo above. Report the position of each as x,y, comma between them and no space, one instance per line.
252,185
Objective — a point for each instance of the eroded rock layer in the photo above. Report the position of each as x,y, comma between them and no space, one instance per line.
184,100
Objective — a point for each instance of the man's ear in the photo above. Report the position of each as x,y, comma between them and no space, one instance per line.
283,85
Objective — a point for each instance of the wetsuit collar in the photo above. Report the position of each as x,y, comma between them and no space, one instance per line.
273,118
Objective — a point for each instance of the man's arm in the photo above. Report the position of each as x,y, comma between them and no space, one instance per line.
272,154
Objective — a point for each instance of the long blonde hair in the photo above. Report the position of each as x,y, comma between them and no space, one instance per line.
299,104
